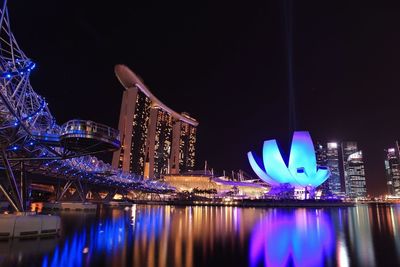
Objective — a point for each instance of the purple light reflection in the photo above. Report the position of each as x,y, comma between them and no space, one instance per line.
295,238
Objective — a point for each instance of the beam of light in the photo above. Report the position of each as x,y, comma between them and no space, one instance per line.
287,12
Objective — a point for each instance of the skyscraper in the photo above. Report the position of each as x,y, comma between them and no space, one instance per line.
155,140
392,170
160,141
332,162
354,173
328,155
320,153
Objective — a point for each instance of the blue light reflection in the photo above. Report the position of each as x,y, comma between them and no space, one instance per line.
106,238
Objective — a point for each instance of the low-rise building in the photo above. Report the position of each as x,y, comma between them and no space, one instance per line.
189,182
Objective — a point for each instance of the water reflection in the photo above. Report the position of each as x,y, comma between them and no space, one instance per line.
158,236
181,234
384,230
342,255
301,237
107,236
395,223
360,235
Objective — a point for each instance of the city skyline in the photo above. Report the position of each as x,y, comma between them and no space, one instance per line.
109,172
231,72
347,172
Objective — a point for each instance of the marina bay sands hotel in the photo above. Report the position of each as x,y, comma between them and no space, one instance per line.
155,140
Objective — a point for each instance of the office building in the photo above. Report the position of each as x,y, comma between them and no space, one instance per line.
354,172
328,155
392,170
332,162
321,157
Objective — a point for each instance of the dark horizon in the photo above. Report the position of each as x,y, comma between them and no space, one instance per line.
226,65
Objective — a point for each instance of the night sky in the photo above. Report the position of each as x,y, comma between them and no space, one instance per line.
226,64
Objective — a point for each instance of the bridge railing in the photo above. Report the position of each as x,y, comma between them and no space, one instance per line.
90,128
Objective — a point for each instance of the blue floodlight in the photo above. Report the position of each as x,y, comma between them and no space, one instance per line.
302,170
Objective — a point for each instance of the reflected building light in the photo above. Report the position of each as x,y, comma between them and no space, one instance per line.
136,252
151,252
361,236
178,246
235,219
378,215
164,236
189,243
133,215
340,220
163,247
396,229
342,255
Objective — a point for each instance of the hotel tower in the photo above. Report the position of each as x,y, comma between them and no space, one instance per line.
155,140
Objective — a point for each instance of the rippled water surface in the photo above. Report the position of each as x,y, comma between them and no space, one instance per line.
157,236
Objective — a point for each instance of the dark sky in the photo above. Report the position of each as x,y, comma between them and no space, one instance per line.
226,64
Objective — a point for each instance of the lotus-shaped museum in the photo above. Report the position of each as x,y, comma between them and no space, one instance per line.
302,170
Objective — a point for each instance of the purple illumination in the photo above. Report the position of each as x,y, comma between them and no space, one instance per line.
302,237
302,170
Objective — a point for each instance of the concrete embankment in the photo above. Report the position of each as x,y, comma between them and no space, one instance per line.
28,225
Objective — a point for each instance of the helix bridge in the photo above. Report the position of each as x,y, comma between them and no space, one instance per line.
32,142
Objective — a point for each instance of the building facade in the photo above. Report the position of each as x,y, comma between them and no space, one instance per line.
392,170
155,140
354,171
332,162
320,153
328,155
221,185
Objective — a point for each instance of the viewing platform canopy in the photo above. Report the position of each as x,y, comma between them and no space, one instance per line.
87,135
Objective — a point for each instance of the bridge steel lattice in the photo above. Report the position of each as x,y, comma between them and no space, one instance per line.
32,142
